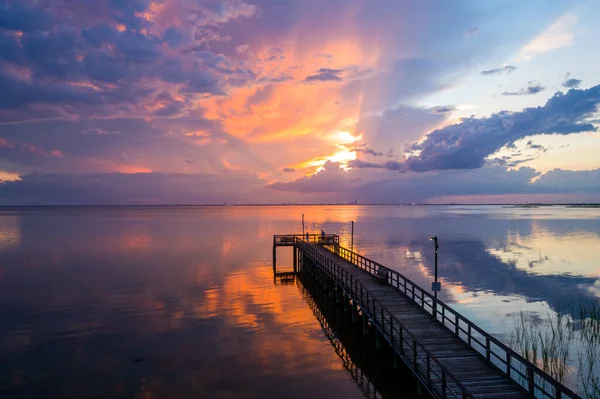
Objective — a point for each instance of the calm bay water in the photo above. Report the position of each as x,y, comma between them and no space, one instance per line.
181,302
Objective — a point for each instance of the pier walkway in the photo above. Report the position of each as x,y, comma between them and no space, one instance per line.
449,355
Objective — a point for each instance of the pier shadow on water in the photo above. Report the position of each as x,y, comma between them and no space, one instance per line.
373,370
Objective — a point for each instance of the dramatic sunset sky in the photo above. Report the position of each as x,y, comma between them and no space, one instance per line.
270,101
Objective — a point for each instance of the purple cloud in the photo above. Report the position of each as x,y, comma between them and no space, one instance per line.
134,188
414,187
325,75
498,71
366,150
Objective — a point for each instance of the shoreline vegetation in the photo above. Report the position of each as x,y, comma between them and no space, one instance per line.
567,348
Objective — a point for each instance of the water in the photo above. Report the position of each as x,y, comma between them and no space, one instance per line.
181,302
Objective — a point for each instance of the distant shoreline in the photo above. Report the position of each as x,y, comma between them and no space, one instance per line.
505,205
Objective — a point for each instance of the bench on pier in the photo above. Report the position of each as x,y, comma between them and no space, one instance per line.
381,275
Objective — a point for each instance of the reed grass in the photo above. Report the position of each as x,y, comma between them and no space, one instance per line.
552,346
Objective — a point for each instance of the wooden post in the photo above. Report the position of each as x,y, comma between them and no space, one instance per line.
415,366
274,258
444,384
295,250
378,339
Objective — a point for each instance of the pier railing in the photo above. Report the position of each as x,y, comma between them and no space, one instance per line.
426,367
290,239
537,382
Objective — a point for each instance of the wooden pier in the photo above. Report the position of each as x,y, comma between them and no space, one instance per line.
449,355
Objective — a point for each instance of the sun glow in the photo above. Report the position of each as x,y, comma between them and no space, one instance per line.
346,138
342,157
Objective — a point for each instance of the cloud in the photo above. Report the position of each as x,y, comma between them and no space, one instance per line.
565,181
325,75
415,187
498,71
558,35
472,31
467,144
331,179
389,165
571,83
532,88
331,184
99,131
160,72
367,150
133,188
442,110
289,170
533,146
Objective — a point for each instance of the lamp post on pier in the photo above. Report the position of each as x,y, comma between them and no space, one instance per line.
302,225
435,286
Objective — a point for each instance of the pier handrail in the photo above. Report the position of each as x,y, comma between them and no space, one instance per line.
368,305
526,374
290,239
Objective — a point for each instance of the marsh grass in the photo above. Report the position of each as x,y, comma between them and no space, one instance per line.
566,346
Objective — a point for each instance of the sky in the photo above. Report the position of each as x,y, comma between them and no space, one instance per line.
303,101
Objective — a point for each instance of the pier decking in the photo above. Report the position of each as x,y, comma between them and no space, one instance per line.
448,354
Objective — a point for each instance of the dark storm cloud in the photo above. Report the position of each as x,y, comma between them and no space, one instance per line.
325,75
498,71
532,88
467,144
16,15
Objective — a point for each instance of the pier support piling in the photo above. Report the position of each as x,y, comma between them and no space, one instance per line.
378,340
295,251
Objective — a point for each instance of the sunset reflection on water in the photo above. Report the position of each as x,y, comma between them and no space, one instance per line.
180,302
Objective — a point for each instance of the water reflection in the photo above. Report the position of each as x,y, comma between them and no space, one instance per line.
164,304
10,235
180,302
372,370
